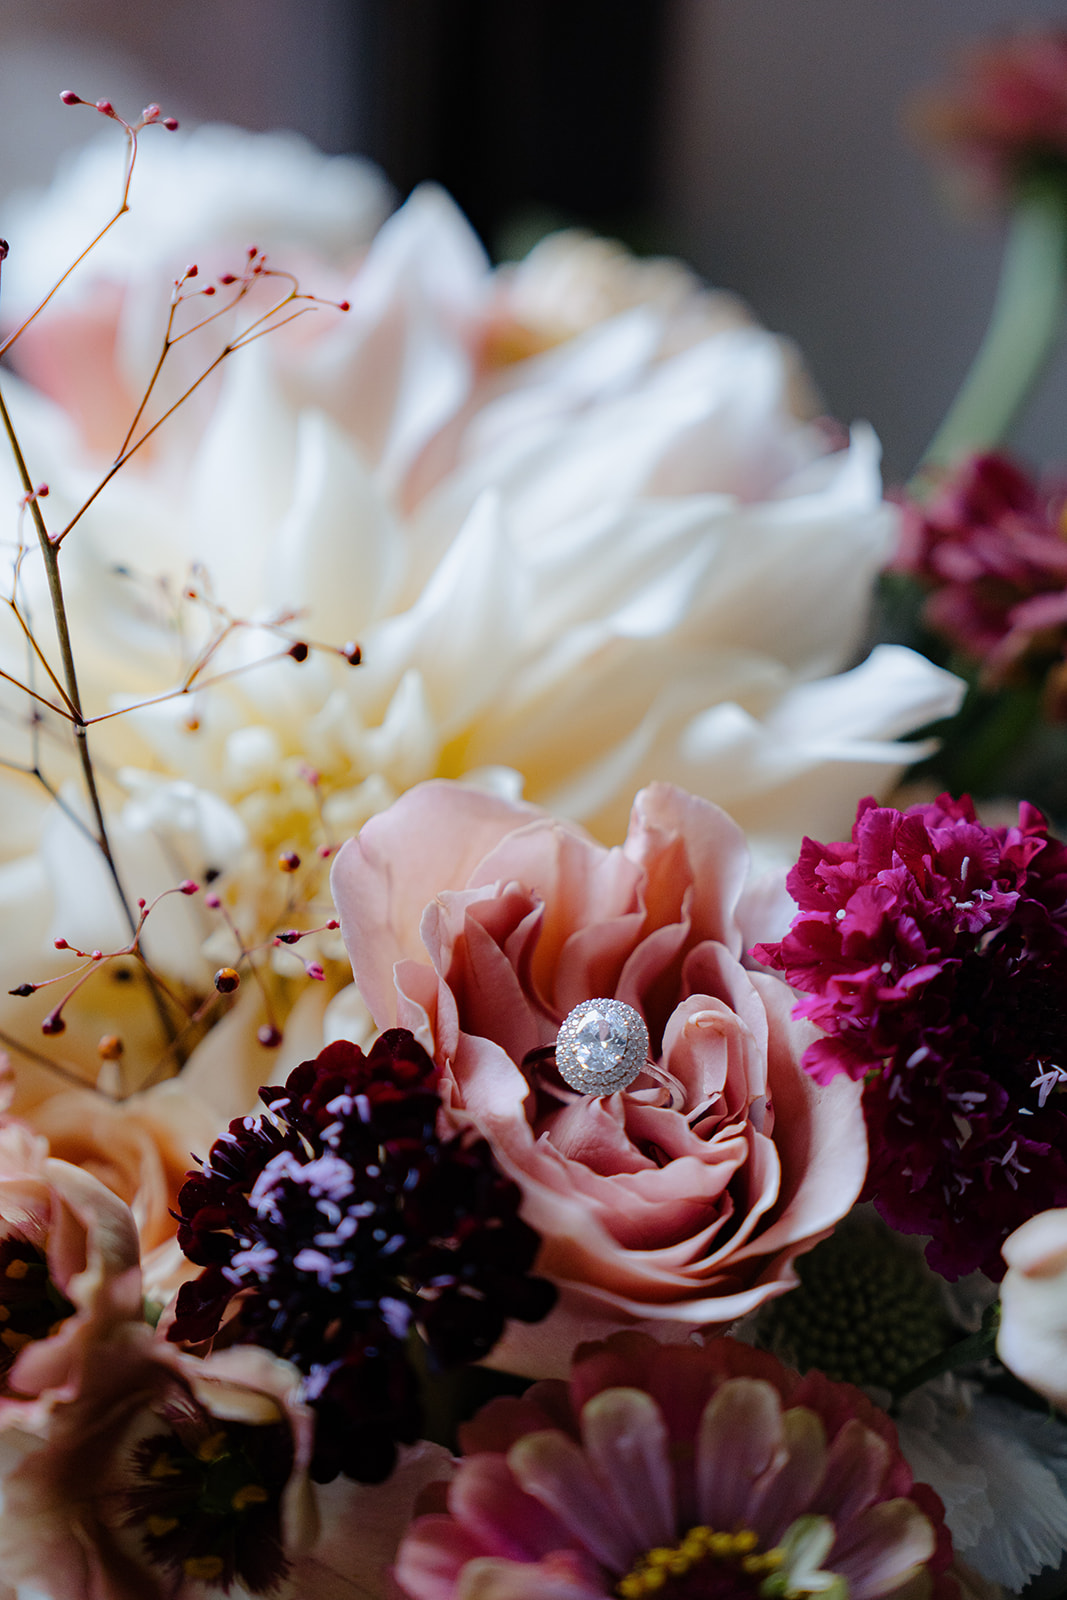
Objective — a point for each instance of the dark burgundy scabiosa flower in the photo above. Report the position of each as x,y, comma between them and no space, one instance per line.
934,953
992,544
340,1221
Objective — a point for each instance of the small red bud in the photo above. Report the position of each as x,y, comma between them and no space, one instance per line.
269,1037
53,1023
344,305
212,902
150,113
325,851
290,936
187,886
170,123
288,861
253,252
227,979
192,270
105,108
23,990
333,923
141,902
61,944
314,970
228,278
352,653
210,289
69,98
299,651
110,1047
97,955
41,490
5,249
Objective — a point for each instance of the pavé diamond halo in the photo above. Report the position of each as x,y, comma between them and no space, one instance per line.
601,1046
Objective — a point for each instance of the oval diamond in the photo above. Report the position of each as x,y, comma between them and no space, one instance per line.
601,1046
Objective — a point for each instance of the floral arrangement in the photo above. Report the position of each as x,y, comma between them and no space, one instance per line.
504,1092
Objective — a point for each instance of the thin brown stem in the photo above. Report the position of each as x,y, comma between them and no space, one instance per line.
120,462
45,663
39,1058
192,687
124,206
40,698
158,368
50,556
53,793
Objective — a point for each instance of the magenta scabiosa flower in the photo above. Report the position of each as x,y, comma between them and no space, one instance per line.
684,1473
933,951
340,1222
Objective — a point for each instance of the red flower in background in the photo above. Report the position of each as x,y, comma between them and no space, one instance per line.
1006,115
992,544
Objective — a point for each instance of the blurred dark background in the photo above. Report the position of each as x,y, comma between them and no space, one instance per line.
760,139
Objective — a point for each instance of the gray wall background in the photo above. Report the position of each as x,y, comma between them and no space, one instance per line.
787,176
784,171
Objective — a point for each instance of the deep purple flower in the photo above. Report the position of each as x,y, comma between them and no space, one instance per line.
340,1222
934,953
991,545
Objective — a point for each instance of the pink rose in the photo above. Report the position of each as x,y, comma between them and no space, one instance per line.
480,924
69,1274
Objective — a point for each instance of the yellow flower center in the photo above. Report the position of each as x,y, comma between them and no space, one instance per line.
790,1571
651,1570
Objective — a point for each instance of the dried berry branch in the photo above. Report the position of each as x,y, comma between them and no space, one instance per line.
149,117
269,321
288,302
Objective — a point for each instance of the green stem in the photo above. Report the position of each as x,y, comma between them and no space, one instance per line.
964,1353
1025,325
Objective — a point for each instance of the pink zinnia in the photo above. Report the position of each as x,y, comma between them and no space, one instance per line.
680,1472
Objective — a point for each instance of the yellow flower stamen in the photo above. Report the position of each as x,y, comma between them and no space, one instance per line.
203,1567
651,1570
212,1447
253,1494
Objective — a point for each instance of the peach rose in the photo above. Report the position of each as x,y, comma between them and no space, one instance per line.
68,1274
479,924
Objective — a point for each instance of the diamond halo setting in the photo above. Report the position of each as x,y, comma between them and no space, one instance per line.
601,1046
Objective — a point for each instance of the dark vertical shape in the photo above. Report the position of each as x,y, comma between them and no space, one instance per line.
514,103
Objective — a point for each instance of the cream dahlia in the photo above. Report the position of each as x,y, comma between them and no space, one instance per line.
571,572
